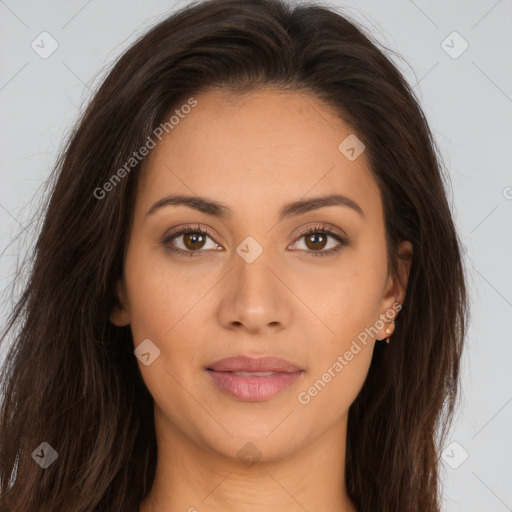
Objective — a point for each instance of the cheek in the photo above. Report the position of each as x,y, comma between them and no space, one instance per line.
156,300
348,297
329,393
162,312
340,362
164,308
348,303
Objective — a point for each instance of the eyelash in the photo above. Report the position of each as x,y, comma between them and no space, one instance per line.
323,229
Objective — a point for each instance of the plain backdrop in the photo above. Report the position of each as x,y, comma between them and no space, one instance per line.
456,54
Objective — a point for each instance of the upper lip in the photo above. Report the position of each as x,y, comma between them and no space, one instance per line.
254,364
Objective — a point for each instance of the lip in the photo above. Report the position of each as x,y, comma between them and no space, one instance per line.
254,364
253,388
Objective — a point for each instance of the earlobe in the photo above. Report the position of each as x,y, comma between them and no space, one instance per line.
397,286
120,315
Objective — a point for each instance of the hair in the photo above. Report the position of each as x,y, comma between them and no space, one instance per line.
70,378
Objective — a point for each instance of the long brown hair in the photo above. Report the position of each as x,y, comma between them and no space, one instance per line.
70,378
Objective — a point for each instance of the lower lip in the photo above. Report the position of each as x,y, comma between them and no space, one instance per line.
254,389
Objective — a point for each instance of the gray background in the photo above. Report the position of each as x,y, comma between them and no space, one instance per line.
467,100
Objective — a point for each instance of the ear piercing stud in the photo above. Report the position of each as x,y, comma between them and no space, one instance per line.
388,330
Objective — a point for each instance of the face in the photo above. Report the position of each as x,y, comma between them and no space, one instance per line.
255,278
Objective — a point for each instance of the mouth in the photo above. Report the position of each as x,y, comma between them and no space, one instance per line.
253,379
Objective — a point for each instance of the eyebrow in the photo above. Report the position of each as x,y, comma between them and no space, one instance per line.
212,207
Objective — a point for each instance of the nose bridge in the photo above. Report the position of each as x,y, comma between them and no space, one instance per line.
256,297
255,284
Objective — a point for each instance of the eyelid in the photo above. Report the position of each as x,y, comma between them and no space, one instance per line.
196,227
324,227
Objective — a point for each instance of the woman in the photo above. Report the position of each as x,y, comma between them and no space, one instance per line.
248,291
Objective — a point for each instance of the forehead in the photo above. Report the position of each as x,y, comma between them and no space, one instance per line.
268,144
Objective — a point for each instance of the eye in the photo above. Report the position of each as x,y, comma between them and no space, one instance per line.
316,238
194,238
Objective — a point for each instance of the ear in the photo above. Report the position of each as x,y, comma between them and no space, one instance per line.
396,287
120,315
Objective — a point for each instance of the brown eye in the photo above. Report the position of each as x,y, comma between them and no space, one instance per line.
189,241
194,241
316,241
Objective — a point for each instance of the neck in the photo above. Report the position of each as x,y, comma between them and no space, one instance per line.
194,478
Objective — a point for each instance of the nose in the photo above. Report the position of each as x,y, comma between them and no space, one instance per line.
255,300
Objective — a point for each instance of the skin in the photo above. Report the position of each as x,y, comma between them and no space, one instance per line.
255,153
